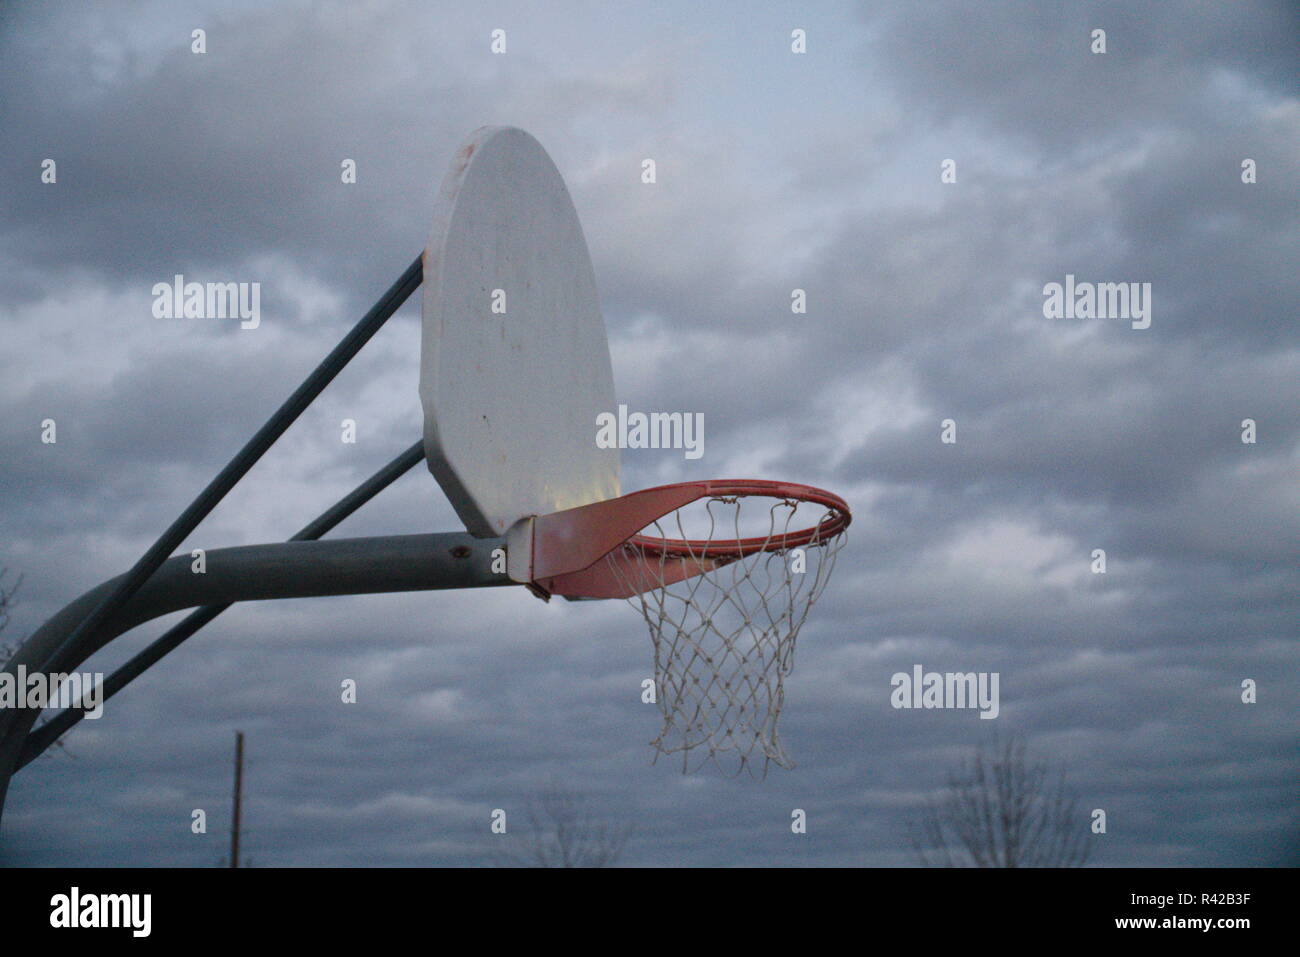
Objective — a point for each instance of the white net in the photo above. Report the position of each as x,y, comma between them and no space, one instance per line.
724,637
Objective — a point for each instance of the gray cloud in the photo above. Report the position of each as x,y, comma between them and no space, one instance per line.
925,303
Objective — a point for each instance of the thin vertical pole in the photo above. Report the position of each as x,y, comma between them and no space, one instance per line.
239,786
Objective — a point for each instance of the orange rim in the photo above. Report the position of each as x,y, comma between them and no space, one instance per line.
829,527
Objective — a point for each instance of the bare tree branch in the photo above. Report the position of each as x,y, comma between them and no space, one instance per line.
1001,810
7,593
562,833
9,649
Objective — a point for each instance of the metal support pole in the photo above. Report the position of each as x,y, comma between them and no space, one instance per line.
350,566
239,789
44,736
245,459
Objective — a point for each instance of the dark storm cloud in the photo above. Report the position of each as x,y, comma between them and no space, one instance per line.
183,162
1027,70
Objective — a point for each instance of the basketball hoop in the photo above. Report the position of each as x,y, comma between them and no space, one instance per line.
724,573
723,605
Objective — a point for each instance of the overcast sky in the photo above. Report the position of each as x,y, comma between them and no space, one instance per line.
819,171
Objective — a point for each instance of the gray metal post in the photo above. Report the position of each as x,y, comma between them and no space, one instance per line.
306,569
239,798
57,726
126,585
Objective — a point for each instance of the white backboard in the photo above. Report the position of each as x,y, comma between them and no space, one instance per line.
511,398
